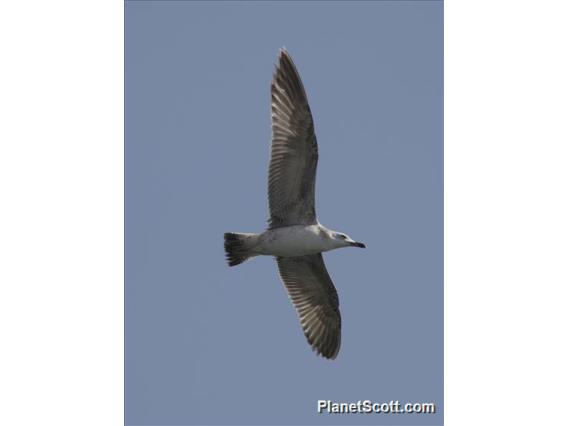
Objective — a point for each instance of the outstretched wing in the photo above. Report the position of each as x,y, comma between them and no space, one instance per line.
315,299
294,150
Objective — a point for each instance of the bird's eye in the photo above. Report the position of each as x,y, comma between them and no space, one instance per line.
343,236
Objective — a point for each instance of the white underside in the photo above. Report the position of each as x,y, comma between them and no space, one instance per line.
298,240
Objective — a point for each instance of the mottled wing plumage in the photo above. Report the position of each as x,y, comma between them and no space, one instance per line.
294,150
315,299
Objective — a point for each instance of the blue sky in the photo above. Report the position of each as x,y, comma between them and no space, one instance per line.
209,344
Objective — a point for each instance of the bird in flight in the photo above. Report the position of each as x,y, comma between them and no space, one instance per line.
294,235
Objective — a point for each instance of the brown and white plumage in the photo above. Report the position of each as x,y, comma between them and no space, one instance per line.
315,299
291,195
294,236
294,150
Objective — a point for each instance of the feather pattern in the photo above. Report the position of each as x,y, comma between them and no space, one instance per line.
315,298
294,150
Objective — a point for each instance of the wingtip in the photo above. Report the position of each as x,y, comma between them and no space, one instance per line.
328,352
283,53
330,356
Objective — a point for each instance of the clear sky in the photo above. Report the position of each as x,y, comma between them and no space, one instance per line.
209,344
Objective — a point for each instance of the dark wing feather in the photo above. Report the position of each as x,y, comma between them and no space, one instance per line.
294,150
315,299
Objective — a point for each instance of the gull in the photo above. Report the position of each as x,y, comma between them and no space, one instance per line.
294,235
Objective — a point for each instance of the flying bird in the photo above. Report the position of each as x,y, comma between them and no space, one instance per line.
294,235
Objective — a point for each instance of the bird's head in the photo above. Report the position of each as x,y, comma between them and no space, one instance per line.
344,240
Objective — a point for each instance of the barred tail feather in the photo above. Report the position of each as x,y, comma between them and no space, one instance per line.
238,247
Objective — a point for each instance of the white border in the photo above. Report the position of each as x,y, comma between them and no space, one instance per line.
61,214
506,206
62,207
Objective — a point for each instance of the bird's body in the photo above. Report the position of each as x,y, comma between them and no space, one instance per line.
295,240
294,235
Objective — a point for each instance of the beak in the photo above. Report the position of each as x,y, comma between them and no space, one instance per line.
360,245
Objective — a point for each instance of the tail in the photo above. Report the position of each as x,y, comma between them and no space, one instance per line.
238,247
